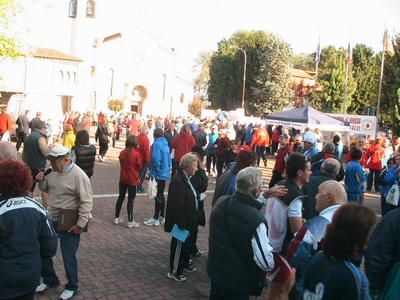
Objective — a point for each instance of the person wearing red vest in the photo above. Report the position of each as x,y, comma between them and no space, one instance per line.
280,161
374,155
261,140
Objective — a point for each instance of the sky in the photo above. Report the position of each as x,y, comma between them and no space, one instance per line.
194,26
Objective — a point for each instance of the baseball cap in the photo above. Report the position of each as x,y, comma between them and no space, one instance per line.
245,148
199,150
58,152
309,137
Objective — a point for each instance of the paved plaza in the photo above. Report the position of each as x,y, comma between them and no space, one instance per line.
116,262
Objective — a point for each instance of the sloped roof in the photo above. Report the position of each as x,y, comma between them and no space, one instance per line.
54,54
301,74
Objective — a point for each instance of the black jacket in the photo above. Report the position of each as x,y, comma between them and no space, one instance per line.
230,262
383,249
181,204
310,190
84,157
223,183
102,133
170,136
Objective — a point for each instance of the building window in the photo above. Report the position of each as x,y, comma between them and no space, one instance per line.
61,76
68,77
181,98
74,76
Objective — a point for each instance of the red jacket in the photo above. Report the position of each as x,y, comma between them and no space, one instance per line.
182,144
144,147
280,158
363,161
222,145
130,167
260,137
5,123
374,156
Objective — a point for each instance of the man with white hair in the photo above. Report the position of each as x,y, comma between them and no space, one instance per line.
239,249
7,150
331,195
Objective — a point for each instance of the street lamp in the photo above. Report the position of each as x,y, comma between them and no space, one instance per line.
244,73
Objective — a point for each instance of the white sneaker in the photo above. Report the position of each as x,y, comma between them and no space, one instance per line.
118,220
44,287
162,220
133,224
67,294
152,222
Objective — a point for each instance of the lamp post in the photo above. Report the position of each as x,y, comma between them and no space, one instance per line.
244,73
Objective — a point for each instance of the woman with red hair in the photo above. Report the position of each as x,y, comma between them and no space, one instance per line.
26,235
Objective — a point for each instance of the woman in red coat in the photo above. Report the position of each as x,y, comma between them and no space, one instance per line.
182,144
131,164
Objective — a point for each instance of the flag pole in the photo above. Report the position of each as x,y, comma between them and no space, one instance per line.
317,59
381,75
347,79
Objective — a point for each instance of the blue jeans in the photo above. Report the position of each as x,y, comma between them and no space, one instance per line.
142,174
69,244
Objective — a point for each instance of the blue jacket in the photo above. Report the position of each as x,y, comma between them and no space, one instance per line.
248,134
354,177
210,150
26,237
160,159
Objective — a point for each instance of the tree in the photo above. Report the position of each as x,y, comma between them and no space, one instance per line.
333,81
226,69
9,46
390,98
365,71
202,68
116,105
195,106
273,88
304,61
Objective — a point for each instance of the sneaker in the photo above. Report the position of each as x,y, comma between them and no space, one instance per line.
179,278
189,269
118,220
162,220
198,253
152,222
190,262
265,163
44,287
101,158
67,294
140,191
133,224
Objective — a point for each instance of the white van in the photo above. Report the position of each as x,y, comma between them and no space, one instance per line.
49,105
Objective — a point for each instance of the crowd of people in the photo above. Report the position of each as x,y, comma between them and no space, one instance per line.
314,213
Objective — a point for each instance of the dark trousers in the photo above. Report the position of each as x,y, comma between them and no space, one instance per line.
373,178
69,244
180,254
220,166
142,174
218,293
159,205
21,139
175,167
274,147
28,296
131,198
276,177
386,207
210,159
103,148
